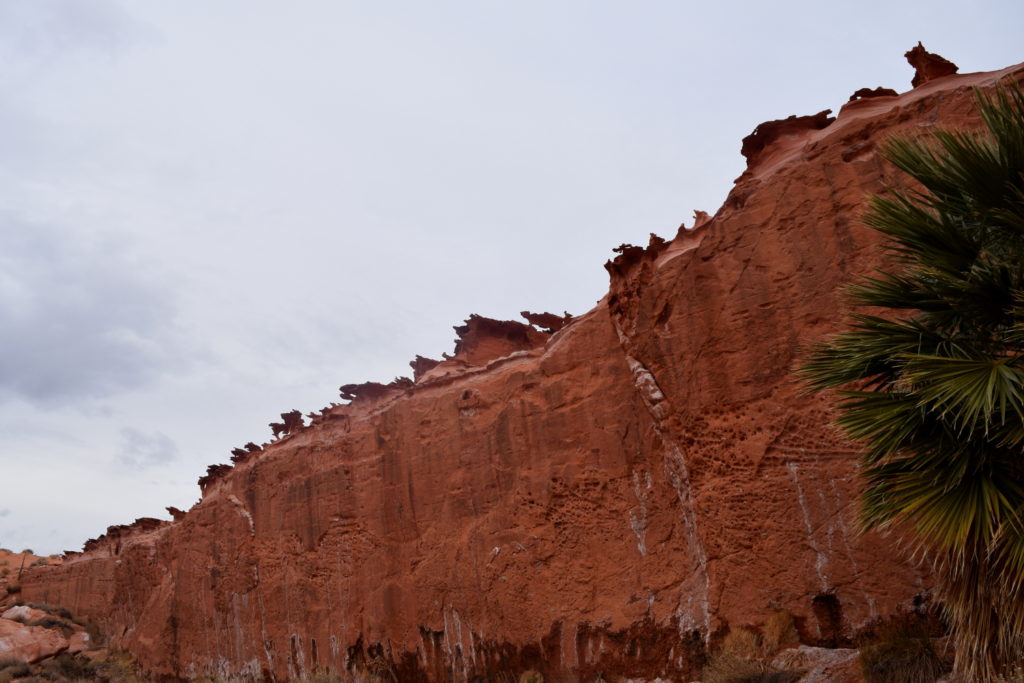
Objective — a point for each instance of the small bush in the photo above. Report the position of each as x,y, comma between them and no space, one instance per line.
68,667
779,632
741,658
118,666
531,676
321,676
742,642
14,589
51,622
900,652
13,670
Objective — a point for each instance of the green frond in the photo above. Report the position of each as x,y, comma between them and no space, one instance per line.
973,393
873,351
889,290
887,422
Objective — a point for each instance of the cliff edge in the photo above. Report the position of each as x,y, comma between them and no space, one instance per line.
598,495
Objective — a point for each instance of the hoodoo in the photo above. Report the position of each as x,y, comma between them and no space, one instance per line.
603,496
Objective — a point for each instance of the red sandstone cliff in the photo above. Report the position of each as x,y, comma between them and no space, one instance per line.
600,499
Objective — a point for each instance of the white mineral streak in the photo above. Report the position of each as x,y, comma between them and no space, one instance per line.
693,611
821,560
244,512
638,518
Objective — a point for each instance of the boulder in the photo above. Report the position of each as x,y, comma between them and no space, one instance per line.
29,644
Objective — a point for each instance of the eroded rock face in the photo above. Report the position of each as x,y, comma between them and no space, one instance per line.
867,93
928,66
421,366
768,132
549,322
482,339
598,501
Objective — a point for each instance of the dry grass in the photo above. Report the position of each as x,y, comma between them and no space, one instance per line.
744,654
779,632
11,669
900,652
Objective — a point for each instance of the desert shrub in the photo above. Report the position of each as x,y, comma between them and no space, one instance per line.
27,551
68,667
119,667
321,676
742,642
899,652
14,589
779,632
531,676
51,622
742,656
375,670
11,670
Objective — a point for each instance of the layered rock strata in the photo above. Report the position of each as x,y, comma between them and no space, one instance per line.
601,499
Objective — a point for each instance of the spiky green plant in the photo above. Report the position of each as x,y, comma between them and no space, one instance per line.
933,385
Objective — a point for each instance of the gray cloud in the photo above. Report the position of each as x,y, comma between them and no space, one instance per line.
140,450
5,512
79,318
35,31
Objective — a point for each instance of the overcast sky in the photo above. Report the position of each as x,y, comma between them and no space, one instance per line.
215,211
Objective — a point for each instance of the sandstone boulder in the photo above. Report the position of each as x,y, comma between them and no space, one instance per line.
29,644
24,613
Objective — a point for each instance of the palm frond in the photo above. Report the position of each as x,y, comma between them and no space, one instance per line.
974,393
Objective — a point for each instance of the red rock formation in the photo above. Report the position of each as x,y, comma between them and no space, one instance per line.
29,635
292,422
867,93
213,473
421,366
700,219
371,391
27,644
600,501
481,339
549,322
769,132
928,66
176,514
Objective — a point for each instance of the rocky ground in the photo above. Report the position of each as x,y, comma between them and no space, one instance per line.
45,643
